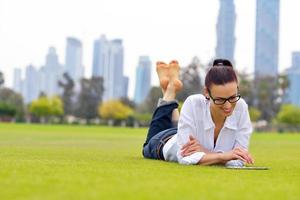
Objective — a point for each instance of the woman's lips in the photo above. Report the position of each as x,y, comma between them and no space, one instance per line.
227,111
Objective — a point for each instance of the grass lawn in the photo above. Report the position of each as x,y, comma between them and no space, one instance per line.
76,162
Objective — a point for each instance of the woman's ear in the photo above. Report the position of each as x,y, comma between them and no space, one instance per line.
206,94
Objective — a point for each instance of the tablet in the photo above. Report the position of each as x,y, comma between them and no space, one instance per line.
248,167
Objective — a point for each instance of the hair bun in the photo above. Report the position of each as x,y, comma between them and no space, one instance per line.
222,62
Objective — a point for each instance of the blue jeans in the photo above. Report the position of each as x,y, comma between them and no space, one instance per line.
160,131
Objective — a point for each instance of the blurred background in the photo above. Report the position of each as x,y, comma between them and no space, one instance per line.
93,62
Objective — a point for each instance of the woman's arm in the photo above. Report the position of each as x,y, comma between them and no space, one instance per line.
243,135
186,126
209,158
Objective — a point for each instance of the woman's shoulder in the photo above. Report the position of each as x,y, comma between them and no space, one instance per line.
196,99
241,105
196,102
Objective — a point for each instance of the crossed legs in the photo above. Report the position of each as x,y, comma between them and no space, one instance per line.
169,82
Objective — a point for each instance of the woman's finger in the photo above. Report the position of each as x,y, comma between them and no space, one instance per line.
244,154
186,145
240,158
190,152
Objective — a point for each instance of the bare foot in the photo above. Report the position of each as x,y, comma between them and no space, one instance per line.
162,70
174,75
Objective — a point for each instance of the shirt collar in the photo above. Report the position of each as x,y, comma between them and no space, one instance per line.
208,124
230,122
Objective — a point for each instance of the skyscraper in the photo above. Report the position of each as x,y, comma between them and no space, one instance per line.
108,63
225,30
17,85
73,61
100,56
31,90
50,73
143,79
293,74
267,35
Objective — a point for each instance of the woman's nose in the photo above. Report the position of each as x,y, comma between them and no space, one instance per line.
227,104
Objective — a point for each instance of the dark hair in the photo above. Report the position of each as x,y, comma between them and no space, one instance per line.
220,73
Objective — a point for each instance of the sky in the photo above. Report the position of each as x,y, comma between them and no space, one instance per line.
161,29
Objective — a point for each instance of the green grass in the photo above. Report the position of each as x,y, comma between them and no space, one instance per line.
76,162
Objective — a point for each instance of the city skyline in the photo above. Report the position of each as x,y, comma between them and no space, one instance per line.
141,30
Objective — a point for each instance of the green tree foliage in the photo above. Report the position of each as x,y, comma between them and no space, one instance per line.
68,93
7,110
11,100
45,107
90,98
254,113
144,117
289,114
114,109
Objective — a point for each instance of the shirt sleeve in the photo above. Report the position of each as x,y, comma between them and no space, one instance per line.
186,127
244,129
243,134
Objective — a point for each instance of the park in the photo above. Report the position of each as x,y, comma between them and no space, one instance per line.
100,162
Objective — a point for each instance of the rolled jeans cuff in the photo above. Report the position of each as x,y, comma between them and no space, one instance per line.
162,102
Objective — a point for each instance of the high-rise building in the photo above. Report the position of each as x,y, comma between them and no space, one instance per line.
108,63
225,30
293,74
267,36
31,90
50,74
17,85
100,56
73,61
143,79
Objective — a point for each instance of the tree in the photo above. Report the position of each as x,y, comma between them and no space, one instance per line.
190,77
1,79
267,96
289,114
14,100
150,103
45,108
254,114
68,93
7,110
126,101
246,87
90,98
114,110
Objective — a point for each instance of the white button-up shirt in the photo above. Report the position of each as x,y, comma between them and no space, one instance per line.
195,119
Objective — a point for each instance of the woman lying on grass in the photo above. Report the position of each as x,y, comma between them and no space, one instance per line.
213,128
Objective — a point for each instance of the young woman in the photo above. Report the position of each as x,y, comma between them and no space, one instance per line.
213,128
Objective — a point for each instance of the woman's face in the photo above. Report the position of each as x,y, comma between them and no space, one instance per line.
219,93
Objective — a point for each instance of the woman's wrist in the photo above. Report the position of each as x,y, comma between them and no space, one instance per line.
222,158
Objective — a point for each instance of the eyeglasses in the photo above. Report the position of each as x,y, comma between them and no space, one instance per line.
221,101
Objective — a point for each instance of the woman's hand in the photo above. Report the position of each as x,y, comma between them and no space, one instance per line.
192,147
238,153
